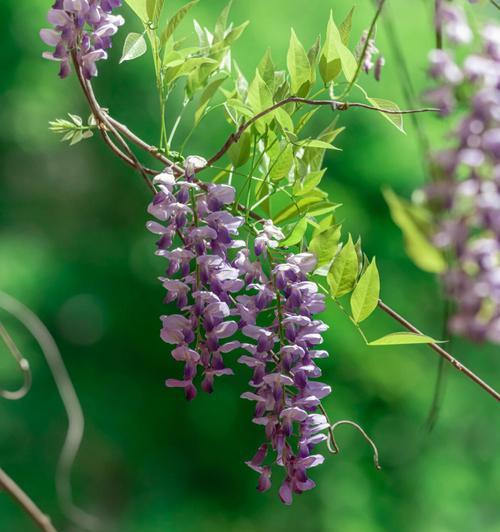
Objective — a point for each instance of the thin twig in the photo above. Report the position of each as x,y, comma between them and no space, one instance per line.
41,520
438,26
334,104
23,366
496,4
334,448
70,401
452,360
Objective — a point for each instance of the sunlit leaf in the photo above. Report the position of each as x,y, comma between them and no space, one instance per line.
296,235
174,22
403,338
364,299
282,165
344,270
305,205
266,69
139,7
324,244
221,23
395,119
298,67
260,98
134,46
310,182
345,27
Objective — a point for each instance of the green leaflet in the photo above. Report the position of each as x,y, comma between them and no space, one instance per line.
298,67
316,143
310,182
221,24
139,7
417,244
324,244
335,56
365,297
239,153
153,9
396,120
175,20
133,47
344,270
266,69
345,27
206,96
403,338
281,166
312,205
260,98
296,235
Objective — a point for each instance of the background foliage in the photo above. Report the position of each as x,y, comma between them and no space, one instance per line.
73,247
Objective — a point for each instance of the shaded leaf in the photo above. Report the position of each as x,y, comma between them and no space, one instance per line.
417,244
239,153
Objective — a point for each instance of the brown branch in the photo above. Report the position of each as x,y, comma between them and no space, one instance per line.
334,104
41,520
438,349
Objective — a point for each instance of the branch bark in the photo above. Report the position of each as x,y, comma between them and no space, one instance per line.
41,520
440,351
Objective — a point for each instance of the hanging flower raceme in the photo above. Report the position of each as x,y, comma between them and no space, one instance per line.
196,233
84,27
278,318
466,194
371,50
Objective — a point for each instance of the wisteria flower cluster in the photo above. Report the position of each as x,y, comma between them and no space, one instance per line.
83,27
368,46
222,298
467,191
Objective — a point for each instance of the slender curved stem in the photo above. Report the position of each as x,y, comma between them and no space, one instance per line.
23,366
438,349
334,104
41,520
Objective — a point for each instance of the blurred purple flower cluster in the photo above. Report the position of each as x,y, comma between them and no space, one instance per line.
371,50
223,290
467,192
84,27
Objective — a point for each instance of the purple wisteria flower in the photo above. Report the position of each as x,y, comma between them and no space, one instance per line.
279,322
222,289
83,27
196,234
369,63
466,195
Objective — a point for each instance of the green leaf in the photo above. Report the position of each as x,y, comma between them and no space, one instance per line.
205,98
221,24
344,270
345,27
316,143
153,9
418,246
395,120
266,69
139,7
260,98
403,338
281,166
312,205
324,244
310,182
174,22
329,62
296,235
134,46
365,297
239,153
235,33
284,119
313,53
298,67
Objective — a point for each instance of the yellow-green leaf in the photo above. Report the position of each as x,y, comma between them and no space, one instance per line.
305,205
206,96
239,152
281,166
176,19
139,7
365,297
260,98
403,338
344,270
298,67
296,234
395,119
324,244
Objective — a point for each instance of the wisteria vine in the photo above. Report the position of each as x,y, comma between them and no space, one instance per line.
248,274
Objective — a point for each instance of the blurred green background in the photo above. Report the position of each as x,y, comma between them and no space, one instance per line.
74,248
